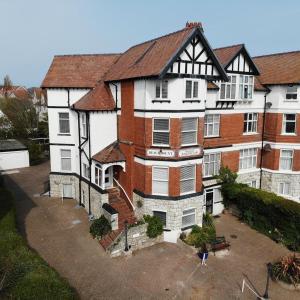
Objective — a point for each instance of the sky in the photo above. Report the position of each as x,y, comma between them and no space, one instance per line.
33,31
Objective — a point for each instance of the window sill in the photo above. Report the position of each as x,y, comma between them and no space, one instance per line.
161,146
64,134
250,133
288,134
212,137
187,193
191,101
187,227
189,145
161,101
290,100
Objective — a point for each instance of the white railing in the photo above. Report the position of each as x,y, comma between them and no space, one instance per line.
251,289
120,186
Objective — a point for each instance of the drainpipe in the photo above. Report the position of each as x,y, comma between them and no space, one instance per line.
262,138
116,109
79,148
90,159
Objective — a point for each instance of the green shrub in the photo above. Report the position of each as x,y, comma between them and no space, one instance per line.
155,226
26,275
275,216
226,175
287,269
100,227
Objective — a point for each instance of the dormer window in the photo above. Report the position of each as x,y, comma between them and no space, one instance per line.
191,89
246,87
228,89
161,89
291,92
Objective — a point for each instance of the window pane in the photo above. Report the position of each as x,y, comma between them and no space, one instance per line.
188,89
161,124
222,95
164,89
195,89
157,89
161,138
64,126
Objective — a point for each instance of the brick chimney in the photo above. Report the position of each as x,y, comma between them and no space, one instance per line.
194,25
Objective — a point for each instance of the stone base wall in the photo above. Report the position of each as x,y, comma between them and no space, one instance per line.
248,177
270,182
137,239
97,199
173,208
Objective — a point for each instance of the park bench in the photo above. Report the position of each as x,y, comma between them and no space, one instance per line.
219,243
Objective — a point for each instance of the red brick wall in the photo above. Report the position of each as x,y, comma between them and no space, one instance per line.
271,159
231,160
296,160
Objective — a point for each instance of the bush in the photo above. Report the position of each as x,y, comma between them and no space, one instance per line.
23,274
155,226
275,216
287,269
35,153
226,175
100,227
200,236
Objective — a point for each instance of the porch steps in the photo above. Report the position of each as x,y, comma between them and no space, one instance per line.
125,213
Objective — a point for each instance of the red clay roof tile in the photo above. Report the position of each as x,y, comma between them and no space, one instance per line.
111,153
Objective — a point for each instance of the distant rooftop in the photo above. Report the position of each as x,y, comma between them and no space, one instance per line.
11,145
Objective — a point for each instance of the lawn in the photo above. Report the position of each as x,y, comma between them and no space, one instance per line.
23,273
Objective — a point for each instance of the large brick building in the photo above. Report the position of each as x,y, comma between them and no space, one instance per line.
146,131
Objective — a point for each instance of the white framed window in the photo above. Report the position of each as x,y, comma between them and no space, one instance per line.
65,158
252,183
191,89
162,215
211,125
286,159
228,89
291,92
289,124
161,89
246,86
250,122
248,158
211,164
188,217
187,179
160,180
98,175
284,188
189,131
64,123
161,132
85,170
83,125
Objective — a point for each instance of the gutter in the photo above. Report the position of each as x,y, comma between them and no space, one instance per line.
116,108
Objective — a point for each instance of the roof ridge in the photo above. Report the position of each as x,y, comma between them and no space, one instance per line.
278,53
91,54
231,46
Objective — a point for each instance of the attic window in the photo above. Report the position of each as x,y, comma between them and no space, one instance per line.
161,89
291,92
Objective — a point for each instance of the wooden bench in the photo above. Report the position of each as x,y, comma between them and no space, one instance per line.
219,243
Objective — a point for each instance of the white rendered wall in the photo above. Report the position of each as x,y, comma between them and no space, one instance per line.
144,93
14,160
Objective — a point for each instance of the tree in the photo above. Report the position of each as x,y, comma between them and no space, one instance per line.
7,85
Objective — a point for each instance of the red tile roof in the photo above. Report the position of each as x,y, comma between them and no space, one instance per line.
78,71
226,54
148,58
111,153
212,86
279,68
99,98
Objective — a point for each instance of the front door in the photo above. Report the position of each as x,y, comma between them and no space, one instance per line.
67,191
209,200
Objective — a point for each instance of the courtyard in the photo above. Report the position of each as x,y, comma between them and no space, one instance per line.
59,231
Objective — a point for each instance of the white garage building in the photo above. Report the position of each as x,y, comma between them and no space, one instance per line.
13,155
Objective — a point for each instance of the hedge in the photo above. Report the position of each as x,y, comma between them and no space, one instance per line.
23,273
275,216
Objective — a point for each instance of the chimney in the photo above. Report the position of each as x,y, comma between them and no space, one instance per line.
194,25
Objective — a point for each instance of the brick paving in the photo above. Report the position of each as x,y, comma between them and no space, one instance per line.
58,231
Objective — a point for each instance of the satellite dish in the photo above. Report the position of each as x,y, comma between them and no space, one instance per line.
267,148
268,104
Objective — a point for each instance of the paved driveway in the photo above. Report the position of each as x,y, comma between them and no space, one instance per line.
58,231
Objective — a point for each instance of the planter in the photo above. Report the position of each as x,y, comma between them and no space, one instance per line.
288,286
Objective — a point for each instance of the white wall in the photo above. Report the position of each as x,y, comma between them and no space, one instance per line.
144,93
14,160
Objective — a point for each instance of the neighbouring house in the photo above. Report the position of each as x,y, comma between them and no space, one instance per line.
38,97
19,92
146,131
13,155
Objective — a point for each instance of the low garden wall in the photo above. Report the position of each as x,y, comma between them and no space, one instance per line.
137,239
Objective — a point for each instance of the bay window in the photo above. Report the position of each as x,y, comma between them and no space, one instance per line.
189,130
246,86
284,188
228,89
191,89
211,164
248,158
211,125
188,217
160,180
286,159
161,89
187,179
289,124
250,122
161,132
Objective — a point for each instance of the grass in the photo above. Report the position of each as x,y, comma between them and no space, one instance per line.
23,273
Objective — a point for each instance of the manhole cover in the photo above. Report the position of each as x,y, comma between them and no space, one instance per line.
233,236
